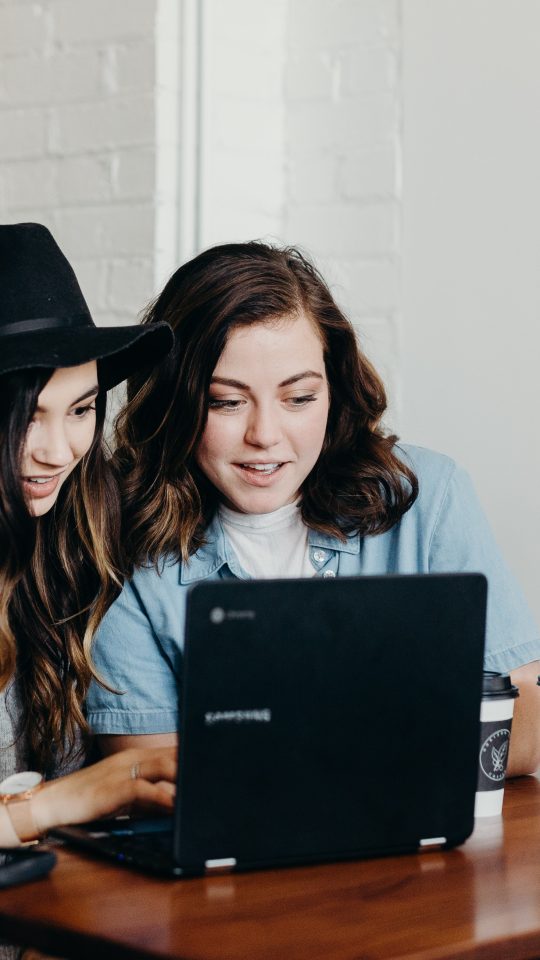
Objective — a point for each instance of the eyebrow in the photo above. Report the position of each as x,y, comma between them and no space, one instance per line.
89,393
93,391
305,375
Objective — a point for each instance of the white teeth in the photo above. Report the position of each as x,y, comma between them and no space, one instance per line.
262,467
39,479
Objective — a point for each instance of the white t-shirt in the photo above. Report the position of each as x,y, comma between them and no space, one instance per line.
269,545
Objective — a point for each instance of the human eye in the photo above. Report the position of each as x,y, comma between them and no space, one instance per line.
301,401
83,411
215,403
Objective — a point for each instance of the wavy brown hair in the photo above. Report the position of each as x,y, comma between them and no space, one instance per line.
358,485
58,575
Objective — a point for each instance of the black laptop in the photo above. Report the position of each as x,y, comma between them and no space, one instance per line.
320,720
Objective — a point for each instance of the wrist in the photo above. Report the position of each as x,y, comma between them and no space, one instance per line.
17,794
42,810
8,837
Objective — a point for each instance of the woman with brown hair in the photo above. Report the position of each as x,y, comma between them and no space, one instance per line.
258,451
59,540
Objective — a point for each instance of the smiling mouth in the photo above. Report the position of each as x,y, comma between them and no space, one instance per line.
44,478
261,468
41,486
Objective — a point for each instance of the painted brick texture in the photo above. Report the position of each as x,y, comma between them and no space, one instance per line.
77,139
243,120
300,125
342,195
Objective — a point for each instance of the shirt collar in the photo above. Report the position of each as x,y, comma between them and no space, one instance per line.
214,554
327,542
209,558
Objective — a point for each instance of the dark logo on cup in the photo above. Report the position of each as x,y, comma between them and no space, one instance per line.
494,754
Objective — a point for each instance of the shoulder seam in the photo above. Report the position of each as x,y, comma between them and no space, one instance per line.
451,474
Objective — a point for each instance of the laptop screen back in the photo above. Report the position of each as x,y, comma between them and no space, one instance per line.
328,719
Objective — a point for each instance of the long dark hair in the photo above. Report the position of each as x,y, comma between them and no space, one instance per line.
358,485
58,575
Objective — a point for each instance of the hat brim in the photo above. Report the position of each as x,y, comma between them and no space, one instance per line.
119,351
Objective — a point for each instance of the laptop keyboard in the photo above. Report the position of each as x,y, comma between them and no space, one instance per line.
147,844
151,851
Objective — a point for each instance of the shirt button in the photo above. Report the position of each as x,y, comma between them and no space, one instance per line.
328,573
319,556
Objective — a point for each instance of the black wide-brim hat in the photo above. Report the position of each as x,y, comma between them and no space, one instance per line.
45,321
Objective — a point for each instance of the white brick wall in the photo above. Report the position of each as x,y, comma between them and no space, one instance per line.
300,143
77,138
330,24
342,197
297,127
243,120
64,77
24,29
102,21
24,134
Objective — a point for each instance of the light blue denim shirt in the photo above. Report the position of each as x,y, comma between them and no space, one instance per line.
138,648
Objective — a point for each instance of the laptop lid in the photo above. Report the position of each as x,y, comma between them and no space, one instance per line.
328,719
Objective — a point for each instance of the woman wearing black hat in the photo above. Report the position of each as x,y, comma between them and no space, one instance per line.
59,539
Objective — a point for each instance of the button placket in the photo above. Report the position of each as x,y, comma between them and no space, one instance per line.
325,562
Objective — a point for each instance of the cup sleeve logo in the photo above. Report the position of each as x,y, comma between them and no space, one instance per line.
498,757
494,754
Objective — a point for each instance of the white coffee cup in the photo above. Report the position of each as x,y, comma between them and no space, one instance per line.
496,712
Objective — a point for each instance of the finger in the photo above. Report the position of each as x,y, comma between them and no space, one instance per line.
159,805
167,787
158,794
154,768
166,790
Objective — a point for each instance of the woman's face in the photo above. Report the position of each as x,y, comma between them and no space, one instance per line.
60,433
267,415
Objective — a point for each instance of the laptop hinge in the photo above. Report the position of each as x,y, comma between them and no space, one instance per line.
225,865
433,842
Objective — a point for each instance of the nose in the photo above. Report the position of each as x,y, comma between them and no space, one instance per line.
49,445
263,428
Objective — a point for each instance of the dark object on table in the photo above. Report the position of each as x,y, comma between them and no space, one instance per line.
21,866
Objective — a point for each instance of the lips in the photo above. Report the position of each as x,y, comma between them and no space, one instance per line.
260,474
38,487
261,467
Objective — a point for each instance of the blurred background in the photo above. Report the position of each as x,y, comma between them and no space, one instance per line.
397,141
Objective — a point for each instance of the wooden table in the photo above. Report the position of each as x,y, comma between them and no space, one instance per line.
481,901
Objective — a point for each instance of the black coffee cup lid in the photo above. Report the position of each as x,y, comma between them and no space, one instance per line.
498,686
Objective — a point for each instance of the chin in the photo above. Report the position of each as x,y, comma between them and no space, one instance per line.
40,508
261,504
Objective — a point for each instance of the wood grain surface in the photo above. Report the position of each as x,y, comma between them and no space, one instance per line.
481,901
